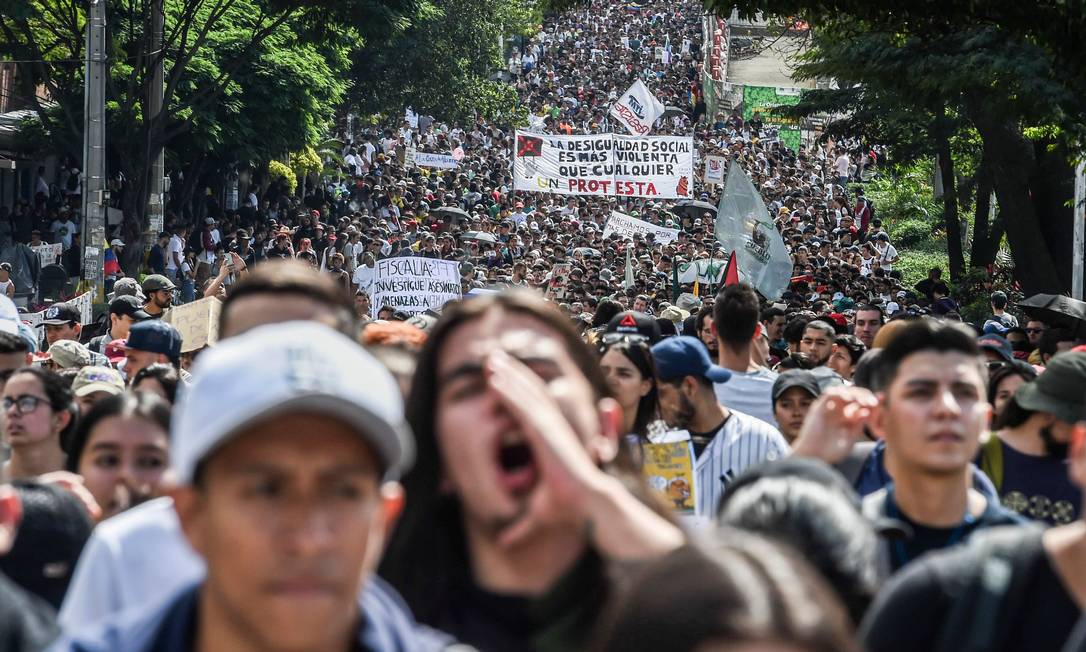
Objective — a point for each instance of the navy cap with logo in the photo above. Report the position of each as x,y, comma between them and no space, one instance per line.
631,322
128,306
998,344
59,314
678,357
155,336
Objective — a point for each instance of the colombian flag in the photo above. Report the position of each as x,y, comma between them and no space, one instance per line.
112,265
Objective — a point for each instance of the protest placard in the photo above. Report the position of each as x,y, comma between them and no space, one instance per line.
627,225
669,470
559,281
714,170
604,164
48,253
198,323
440,161
84,303
413,285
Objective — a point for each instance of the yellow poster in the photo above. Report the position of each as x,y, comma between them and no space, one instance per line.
669,470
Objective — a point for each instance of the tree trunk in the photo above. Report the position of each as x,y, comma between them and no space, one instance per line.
950,208
986,232
1011,161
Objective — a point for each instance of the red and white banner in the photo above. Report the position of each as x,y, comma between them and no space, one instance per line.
660,167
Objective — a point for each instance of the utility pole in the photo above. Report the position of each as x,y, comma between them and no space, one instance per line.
94,151
156,200
1079,213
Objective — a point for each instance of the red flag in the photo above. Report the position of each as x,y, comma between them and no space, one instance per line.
731,272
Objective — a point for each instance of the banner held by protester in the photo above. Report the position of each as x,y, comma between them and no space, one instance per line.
413,285
630,226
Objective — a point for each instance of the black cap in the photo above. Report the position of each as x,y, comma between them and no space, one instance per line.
631,322
129,306
59,314
795,378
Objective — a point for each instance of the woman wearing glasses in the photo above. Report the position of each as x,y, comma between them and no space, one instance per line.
38,414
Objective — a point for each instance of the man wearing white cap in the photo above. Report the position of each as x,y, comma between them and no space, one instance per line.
286,495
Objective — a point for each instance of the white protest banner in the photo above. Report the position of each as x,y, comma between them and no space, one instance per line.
198,323
84,303
637,109
440,161
414,285
411,118
48,254
627,225
714,169
409,154
659,167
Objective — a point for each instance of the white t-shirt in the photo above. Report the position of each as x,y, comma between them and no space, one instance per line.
841,166
136,559
750,393
363,277
177,246
886,255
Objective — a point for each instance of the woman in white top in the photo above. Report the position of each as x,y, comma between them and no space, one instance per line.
7,286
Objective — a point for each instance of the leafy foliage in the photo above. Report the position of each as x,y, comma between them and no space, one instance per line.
442,64
278,170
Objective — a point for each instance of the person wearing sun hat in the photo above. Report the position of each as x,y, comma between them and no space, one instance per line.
724,442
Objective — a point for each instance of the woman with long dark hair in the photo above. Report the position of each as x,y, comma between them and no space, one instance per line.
522,498
631,376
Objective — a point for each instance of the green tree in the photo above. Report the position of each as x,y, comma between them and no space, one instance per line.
443,64
244,79
920,79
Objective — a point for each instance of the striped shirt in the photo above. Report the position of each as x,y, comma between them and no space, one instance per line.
742,442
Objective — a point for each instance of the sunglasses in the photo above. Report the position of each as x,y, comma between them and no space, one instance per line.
610,339
1035,330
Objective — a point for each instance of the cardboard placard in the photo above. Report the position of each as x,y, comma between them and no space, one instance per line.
198,323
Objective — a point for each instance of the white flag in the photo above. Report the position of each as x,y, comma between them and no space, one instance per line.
629,281
637,109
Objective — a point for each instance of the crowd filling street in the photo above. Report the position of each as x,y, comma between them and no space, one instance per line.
601,442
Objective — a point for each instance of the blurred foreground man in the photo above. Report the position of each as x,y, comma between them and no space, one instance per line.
287,495
520,504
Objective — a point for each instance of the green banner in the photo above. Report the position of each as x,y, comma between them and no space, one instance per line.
765,100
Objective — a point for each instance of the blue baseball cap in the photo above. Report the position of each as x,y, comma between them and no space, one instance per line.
155,336
677,357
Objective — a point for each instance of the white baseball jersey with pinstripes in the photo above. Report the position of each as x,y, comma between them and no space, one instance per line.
743,442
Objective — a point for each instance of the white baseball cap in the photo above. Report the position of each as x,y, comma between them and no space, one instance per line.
892,307
281,368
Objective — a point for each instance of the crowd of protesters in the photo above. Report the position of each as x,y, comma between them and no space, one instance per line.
867,472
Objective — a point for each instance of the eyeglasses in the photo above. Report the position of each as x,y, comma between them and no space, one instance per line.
25,404
610,339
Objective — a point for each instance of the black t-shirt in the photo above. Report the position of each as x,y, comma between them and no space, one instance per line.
912,610
562,619
926,539
1037,487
